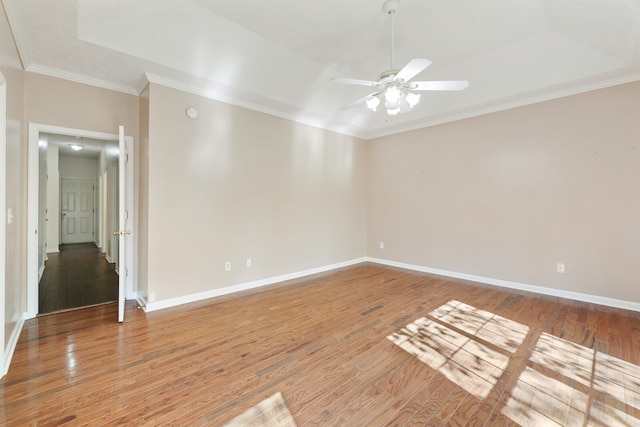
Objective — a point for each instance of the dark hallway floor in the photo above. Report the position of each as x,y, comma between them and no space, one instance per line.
77,276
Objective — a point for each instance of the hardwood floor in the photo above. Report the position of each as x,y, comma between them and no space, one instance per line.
364,345
77,276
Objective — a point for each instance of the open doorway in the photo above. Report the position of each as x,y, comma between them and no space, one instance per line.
77,204
47,226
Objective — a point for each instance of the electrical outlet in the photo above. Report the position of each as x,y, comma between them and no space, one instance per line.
227,266
381,245
248,262
560,267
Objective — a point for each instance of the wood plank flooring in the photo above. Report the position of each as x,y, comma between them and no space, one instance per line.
366,345
77,276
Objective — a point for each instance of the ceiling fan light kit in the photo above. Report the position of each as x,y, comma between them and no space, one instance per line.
394,86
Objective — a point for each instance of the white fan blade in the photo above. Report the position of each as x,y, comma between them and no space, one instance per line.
440,85
354,81
360,101
415,66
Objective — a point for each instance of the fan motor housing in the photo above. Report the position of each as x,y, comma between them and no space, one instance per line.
387,75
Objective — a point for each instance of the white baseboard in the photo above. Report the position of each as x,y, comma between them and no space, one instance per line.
11,344
40,272
108,258
172,302
611,302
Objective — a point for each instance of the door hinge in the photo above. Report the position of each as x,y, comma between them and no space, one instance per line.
126,214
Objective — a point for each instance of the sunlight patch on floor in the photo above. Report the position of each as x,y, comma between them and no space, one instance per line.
562,384
567,384
475,360
484,325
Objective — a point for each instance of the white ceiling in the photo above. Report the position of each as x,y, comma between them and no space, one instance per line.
277,56
92,147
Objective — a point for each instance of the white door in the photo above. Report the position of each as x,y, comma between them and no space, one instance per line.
77,210
124,230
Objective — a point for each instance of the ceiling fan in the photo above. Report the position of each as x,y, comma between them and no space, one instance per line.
395,86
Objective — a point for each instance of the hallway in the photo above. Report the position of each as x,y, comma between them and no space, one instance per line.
77,276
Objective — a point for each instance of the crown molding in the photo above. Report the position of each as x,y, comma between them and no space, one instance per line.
264,105
143,83
252,102
78,78
502,106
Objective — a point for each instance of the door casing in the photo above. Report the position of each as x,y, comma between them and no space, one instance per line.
32,206
4,364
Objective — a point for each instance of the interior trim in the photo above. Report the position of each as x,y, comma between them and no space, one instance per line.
172,302
4,364
595,299
34,130
501,105
78,78
11,344
611,302
228,95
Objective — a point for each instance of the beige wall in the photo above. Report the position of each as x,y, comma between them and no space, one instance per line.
16,200
236,184
505,196
510,194
58,102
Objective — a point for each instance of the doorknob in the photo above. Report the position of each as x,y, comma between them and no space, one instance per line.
121,233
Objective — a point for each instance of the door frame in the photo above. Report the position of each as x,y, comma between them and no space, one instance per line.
4,359
32,205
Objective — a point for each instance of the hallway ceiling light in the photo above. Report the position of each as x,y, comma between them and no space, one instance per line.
76,147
